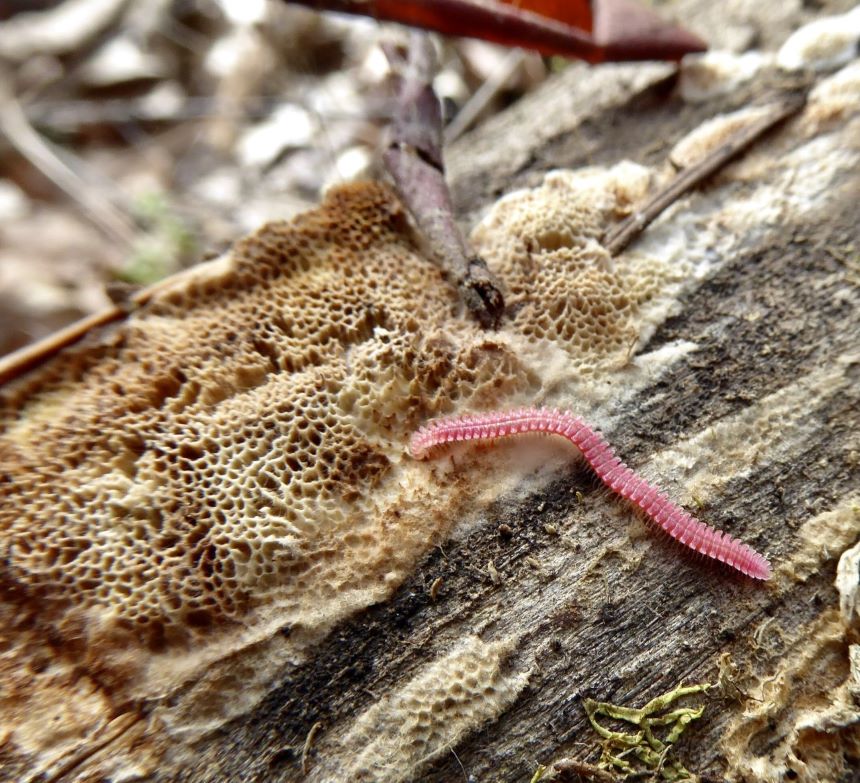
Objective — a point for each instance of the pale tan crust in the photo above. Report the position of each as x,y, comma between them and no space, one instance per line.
229,460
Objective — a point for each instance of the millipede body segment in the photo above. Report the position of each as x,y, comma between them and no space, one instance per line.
610,470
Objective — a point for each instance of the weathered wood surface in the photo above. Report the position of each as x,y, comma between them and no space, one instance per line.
779,315
743,397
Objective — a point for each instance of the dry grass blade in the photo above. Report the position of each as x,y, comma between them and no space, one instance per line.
116,226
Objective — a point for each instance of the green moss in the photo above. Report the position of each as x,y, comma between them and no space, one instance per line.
659,728
164,246
538,773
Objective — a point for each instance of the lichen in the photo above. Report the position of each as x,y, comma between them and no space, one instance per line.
646,751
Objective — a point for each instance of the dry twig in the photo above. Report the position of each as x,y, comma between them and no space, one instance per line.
483,95
627,230
414,159
18,362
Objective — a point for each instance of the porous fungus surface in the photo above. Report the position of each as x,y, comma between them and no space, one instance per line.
563,286
216,454
428,714
230,460
193,498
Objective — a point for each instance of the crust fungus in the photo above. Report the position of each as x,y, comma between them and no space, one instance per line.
230,459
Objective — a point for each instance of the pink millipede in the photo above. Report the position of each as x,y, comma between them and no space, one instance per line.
610,470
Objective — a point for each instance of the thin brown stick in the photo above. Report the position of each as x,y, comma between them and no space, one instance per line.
483,95
414,160
18,362
627,230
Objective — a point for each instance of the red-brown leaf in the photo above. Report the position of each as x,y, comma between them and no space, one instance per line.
597,31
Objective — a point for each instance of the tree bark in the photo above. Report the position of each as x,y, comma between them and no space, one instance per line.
779,314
